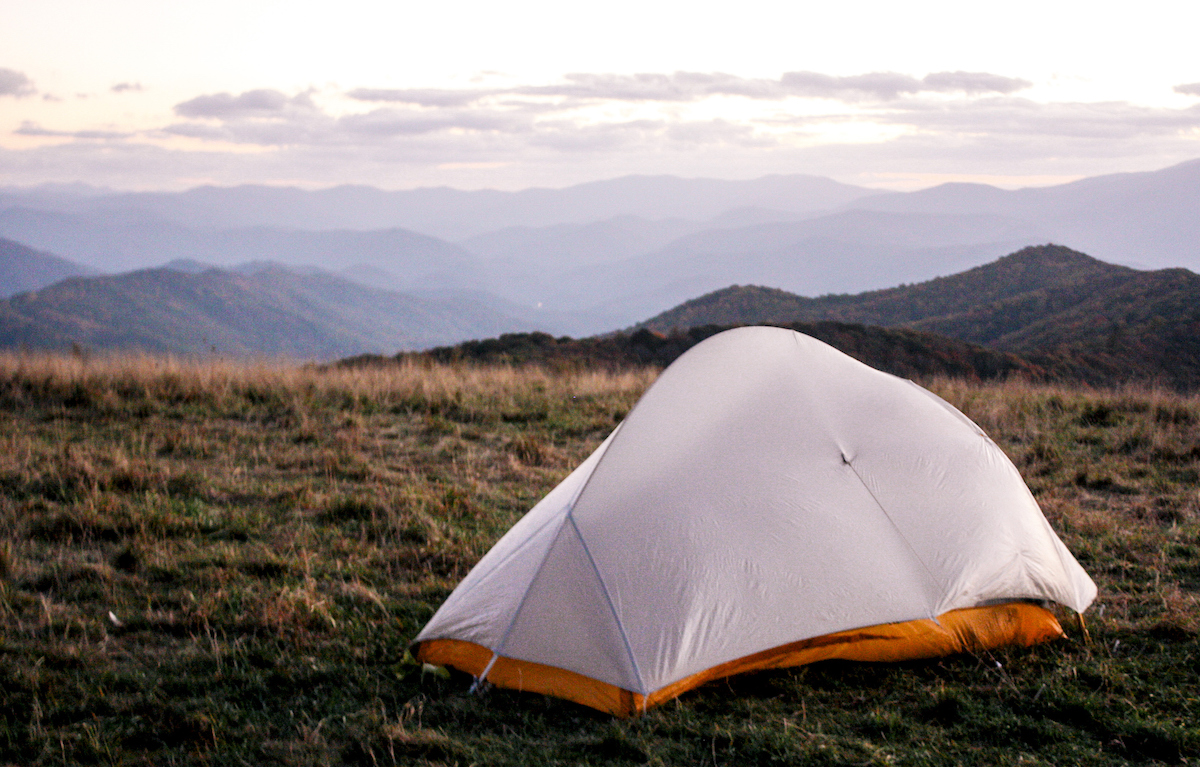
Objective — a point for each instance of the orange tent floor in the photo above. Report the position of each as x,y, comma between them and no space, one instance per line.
968,630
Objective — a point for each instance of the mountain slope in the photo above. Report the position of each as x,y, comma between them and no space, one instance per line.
23,268
1147,218
272,312
1030,273
1060,308
1147,326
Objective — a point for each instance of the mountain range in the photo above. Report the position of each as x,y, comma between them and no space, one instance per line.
1043,312
598,256
443,212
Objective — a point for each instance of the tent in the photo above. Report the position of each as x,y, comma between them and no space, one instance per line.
768,502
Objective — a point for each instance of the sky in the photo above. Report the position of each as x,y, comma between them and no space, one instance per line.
141,94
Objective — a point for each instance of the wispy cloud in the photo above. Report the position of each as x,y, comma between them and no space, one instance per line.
889,86
14,83
387,123
29,128
425,97
127,88
1011,117
263,102
1188,89
695,86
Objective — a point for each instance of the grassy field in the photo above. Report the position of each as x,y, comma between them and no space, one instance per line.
218,563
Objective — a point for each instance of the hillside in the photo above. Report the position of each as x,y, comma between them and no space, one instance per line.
900,351
1055,306
1035,271
22,268
1150,323
269,312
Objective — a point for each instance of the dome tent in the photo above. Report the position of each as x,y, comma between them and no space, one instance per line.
768,502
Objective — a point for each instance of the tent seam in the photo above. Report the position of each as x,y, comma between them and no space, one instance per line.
637,672
521,605
566,515
611,439
895,527
522,545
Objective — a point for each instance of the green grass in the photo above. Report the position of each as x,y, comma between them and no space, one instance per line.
223,564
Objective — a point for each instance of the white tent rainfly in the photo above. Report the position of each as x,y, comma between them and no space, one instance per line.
768,502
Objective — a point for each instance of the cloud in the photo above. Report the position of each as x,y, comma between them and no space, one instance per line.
318,128
29,128
267,133
973,83
14,83
680,86
264,117
888,86
691,86
123,87
398,122
426,97
694,86
256,103
1009,116
1188,89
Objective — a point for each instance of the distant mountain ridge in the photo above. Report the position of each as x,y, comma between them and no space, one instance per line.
1048,303
270,312
23,268
1031,270
1148,219
136,240
452,213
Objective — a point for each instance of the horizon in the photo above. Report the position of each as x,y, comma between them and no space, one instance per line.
996,182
